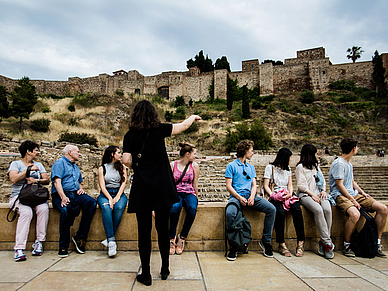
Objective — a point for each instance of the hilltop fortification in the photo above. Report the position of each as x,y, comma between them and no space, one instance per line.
310,70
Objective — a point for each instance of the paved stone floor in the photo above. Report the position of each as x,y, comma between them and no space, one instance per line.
192,271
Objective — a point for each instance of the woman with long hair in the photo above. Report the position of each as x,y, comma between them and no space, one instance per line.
29,151
187,187
153,187
312,194
112,178
283,199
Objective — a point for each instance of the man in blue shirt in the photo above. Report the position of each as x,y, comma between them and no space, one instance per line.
69,198
350,197
241,184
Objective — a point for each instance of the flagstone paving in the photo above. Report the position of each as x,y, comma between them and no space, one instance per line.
192,271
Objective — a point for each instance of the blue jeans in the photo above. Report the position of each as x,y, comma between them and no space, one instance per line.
68,213
261,205
111,218
189,202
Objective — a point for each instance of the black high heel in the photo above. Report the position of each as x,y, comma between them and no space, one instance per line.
146,280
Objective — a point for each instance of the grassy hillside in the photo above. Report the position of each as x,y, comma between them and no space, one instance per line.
289,118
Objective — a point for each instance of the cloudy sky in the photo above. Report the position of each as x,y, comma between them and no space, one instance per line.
57,39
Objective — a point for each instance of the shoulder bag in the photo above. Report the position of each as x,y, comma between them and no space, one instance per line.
30,194
33,194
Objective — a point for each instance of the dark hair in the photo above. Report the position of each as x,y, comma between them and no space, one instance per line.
108,157
27,145
307,156
347,144
244,146
144,116
282,159
185,148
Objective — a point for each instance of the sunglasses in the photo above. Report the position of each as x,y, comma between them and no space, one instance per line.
316,178
245,174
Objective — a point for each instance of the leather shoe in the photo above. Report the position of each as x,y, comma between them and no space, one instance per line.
146,280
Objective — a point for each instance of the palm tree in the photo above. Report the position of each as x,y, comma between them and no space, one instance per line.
354,53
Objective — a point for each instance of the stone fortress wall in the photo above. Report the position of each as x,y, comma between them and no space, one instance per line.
310,70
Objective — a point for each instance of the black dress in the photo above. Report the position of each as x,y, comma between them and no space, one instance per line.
153,184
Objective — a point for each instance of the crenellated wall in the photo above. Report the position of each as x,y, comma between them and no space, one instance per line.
310,70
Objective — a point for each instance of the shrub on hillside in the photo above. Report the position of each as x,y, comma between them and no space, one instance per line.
71,108
347,85
179,101
255,132
180,113
40,125
168,115
45,109
80,138
308,97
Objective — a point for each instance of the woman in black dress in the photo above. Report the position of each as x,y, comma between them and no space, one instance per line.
153,187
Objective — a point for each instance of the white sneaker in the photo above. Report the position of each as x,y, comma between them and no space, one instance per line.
37,248
105,243
112,248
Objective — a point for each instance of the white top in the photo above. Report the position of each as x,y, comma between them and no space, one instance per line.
305,180
281,176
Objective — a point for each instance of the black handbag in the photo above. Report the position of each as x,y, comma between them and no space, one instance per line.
33,194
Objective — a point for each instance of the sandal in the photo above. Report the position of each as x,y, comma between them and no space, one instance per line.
299,249
284,251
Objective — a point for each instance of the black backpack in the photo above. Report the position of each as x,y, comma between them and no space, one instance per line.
364,243
239,234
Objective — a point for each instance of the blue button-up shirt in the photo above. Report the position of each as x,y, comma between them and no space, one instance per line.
241,183
69,174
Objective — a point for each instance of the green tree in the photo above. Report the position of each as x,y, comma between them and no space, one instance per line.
203,64
245,103
4,105
231,91
222,64
378,78
354,53
23,100
211,92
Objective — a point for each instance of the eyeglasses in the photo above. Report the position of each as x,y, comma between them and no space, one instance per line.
245,174
316,178
36,150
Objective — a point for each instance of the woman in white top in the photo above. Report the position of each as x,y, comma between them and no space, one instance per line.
112,177
312,195
280,173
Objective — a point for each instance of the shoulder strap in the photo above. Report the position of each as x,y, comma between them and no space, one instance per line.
15,211
183,173
142,147
273,175
103,169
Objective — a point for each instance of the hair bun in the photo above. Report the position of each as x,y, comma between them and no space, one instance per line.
182,144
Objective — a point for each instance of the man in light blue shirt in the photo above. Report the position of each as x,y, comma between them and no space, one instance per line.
241,184
350,197
69,198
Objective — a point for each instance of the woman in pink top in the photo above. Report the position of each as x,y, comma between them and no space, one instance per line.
187,188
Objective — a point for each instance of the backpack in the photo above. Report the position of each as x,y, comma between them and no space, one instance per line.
364,243
239,234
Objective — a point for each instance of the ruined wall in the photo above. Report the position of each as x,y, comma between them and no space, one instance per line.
291,78
360,73
309,70
266,79
319,75
220,83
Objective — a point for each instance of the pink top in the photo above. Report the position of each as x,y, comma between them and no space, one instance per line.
186,184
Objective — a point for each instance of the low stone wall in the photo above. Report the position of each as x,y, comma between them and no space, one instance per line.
207,232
